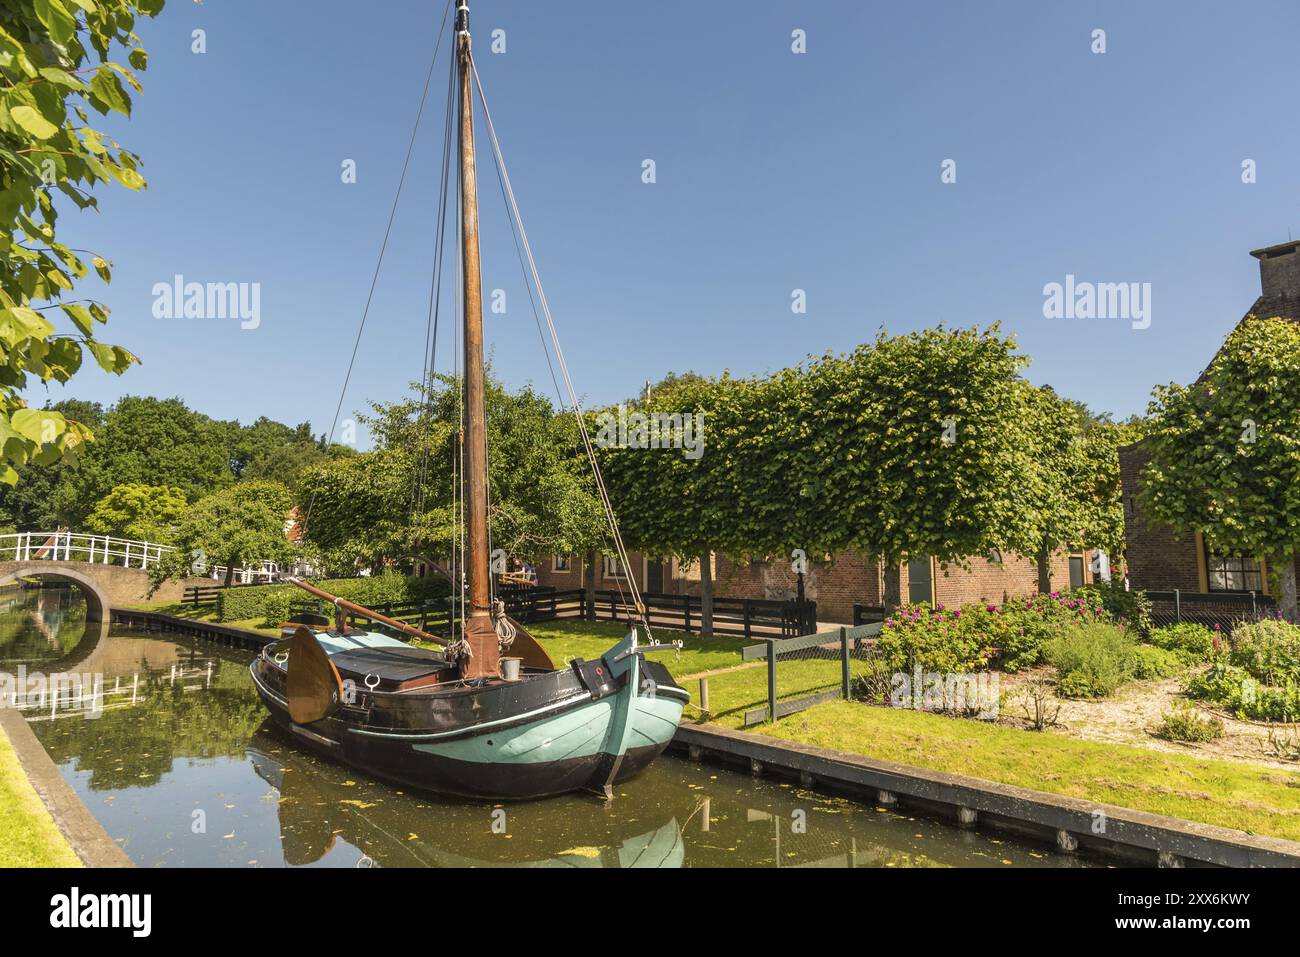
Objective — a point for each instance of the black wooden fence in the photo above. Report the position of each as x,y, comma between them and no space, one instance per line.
868,614
740,617
1224,609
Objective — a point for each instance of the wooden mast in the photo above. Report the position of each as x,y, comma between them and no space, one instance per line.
480,633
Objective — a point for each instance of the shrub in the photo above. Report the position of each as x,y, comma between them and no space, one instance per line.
1192,643
1131,607
1268,650
251,601
1242,694
966,639
1037,697
934,638
1284,743
1184,723
1091,659
1026,624
275,606
1151,662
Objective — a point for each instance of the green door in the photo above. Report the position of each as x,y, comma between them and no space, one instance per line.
920,581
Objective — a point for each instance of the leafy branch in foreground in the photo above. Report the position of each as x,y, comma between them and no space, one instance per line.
55,65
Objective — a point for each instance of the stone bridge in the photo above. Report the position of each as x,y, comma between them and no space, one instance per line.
105,586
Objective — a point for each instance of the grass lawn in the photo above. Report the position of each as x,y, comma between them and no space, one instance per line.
28,835
591,639
1256,800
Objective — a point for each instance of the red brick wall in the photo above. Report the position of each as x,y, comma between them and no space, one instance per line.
836,585
848,578
1156,558
576,576
853,578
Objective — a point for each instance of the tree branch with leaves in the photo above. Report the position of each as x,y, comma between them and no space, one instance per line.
55,66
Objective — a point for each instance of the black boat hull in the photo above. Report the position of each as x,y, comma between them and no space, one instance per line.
547,736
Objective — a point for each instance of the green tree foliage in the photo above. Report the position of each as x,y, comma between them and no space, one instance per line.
1225,452
396,501
235,527
931,435
156,442
55,65
905,446
33,504
147,441
1096,481
143,512
275,452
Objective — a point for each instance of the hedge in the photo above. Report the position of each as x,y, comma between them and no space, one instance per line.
271,602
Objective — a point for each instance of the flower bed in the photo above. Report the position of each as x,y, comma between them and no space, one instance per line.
1009,636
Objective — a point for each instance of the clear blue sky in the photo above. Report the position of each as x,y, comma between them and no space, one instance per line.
775,171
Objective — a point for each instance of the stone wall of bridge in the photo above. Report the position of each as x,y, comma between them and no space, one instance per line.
114,585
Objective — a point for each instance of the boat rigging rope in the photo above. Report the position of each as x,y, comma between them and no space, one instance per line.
435,308
575,405
383,248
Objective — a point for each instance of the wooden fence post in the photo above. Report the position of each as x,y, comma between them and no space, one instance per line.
749,613
844,662
771,680
686,619
1178,605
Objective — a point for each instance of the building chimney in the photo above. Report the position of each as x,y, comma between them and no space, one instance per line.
1279,270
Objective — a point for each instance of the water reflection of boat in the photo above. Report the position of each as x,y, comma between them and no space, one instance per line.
388,827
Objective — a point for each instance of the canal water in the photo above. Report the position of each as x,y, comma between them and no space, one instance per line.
165,740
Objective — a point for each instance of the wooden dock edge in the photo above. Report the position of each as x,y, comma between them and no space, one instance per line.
208,630
1103,830
87,837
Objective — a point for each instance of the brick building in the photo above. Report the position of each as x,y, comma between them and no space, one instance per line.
837,584
1160,559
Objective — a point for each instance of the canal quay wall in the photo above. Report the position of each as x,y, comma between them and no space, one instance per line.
207,630
89,841
1070,824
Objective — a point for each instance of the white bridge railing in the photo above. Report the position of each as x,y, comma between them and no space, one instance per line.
69,546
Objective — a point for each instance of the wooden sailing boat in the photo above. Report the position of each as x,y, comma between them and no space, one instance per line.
451,721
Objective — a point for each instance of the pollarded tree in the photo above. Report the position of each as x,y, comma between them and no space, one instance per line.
142,512
926,448
1097,484
680,471
54,64
1071,491
1225,452
1051,486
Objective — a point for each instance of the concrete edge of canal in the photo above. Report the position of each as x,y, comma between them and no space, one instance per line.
87,837
1102,830
1073,825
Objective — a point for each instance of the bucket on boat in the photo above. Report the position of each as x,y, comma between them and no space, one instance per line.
510,668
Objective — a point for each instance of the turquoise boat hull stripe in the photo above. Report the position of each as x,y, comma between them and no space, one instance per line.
593,728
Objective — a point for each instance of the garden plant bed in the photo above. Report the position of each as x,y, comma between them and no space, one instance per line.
1131,715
